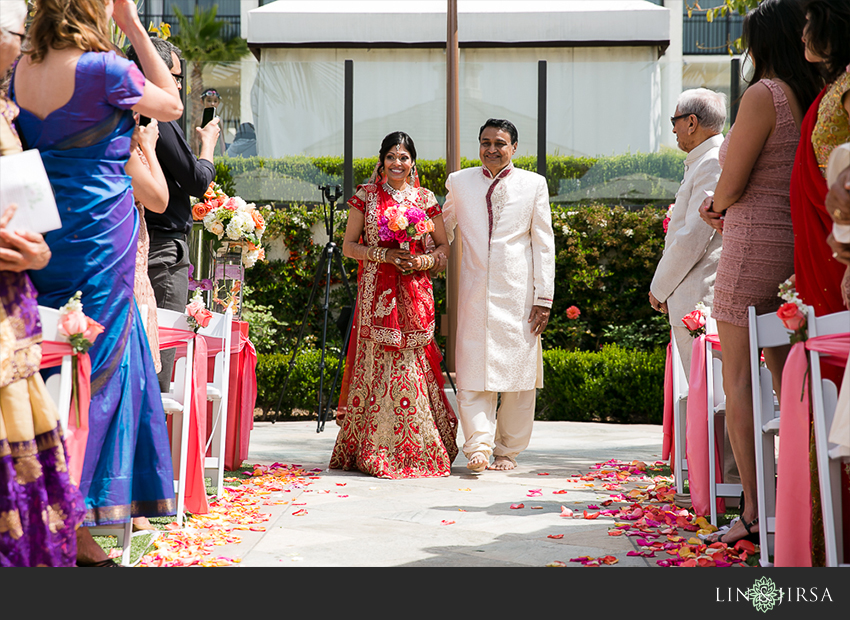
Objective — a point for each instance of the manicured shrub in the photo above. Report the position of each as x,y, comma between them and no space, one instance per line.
613,384
302,390
296,178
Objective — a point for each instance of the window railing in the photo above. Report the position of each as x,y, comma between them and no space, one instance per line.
701,37
231,29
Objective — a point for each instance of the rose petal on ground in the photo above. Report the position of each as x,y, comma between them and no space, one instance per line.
517,506
555,536
566,512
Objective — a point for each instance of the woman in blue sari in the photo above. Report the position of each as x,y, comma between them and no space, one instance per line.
82,124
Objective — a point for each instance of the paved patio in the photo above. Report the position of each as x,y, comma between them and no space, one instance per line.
465,520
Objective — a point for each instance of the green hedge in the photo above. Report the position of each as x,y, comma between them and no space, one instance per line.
614,384
296,178
302,392
611,385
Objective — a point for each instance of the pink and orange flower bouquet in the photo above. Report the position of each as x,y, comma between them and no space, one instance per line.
404,224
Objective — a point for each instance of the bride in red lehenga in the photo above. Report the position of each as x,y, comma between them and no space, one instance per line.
396,420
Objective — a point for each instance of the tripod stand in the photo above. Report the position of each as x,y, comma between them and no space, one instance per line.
331,256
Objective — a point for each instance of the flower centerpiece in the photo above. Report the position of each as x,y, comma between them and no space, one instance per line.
81,332
793,312
234,222
696,320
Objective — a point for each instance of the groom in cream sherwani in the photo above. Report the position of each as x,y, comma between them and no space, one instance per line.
506,287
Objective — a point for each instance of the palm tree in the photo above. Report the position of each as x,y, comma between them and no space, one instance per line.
199,39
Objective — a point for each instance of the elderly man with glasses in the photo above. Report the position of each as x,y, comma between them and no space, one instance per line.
685,274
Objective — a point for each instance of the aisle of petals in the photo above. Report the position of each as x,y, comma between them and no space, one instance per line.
662,531
239,509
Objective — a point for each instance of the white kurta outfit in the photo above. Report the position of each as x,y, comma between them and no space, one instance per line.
687,269
507,266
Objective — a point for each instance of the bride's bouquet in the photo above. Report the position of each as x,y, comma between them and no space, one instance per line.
404,224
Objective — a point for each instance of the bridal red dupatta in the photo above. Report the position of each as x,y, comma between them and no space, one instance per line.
818,274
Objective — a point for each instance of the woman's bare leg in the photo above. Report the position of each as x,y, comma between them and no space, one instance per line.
737,385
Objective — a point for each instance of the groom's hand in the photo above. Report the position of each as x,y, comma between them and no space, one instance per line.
539,319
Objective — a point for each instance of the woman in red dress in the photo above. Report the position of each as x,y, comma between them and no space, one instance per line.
396,420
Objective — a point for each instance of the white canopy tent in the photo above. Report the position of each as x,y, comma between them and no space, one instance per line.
604,85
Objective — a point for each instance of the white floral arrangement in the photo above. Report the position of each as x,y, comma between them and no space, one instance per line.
234,221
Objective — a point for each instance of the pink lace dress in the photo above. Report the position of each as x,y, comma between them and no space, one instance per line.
142,289
758,240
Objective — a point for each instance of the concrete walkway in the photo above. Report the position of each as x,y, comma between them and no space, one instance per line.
465,520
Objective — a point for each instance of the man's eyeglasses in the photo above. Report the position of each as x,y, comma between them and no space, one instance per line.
178,77
673,119
20,35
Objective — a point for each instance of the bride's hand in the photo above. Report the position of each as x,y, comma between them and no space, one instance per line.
401,259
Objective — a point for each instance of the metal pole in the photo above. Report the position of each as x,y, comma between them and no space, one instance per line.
452,165
734,89
348,148
541,117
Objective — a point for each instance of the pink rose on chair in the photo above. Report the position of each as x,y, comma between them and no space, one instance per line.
195,306
791,316
73,323
203,317
573,312
93,330
694,320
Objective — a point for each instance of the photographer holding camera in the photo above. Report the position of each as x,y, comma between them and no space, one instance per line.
186,175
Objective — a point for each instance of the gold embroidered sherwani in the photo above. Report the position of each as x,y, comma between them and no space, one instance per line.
507,266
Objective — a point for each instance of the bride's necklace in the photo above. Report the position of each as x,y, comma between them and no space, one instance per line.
397,194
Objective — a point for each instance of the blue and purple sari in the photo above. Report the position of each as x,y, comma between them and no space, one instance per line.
84,145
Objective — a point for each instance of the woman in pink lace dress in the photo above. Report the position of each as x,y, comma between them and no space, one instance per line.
150,191
752,195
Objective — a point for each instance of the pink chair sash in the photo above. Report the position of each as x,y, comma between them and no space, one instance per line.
667,445
77,433
696,432
243,398
793,546
196,492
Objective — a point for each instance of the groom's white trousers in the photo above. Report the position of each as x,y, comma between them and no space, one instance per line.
503,433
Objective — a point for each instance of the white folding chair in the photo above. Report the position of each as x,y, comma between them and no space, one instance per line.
680,416
766,331
177,403
219,328
59,387
716,408
824,397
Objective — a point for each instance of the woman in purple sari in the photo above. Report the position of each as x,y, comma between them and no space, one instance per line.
39,507
82,126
